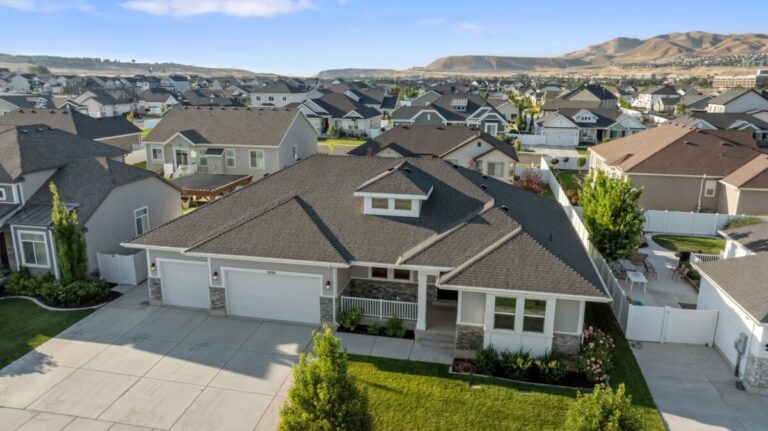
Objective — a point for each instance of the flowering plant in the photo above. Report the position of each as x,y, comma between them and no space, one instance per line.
595,355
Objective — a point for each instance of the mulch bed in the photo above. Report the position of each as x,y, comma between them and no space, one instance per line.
571,379
363,329
109,298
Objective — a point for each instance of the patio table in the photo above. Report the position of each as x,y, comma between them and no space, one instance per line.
639,278
627,265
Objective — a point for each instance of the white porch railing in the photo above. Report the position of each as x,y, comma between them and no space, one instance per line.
170,172
700,257
381,308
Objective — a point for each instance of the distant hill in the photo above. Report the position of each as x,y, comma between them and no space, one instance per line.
351,73
491,62
97,66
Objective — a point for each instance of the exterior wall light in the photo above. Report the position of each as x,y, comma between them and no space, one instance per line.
327,286
153,267
215,275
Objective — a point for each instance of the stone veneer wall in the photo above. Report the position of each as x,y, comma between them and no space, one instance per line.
389,290
756,375
326,310
218,301
155,291
469,339
566,345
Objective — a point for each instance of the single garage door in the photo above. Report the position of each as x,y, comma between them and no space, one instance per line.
277,296
185,284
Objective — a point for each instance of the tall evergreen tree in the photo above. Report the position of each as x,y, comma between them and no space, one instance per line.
611,214
70,245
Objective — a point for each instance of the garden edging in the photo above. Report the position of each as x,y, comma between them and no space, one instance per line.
522,382
50,308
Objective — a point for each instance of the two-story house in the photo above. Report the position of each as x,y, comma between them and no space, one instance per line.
647,99
279,93
738,100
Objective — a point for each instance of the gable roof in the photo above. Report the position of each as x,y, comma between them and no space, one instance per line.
29,101
26,149
752,175
339,105
225,126
443,105
743,279
73,122
598,91
403,179
725,120
731,95
753,237
280,87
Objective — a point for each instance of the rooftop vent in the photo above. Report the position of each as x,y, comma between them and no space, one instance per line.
390,169
33,111
52,111
485,177
210,108
248,108
24,131
504,208
726,144
40,129
483,186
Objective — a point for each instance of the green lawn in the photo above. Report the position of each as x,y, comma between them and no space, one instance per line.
583,151
24,326
568,180
331,142
698,244
626,370
142,165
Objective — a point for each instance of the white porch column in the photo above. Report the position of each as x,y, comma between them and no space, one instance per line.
421,320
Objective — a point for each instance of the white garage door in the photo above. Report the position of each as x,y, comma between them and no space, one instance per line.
185,284
562,137
273,296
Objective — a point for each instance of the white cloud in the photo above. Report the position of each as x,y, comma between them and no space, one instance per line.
226,7
473,29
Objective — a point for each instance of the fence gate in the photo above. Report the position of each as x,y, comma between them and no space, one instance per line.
671,325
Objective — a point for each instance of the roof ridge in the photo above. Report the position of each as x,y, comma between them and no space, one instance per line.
315,221
485,252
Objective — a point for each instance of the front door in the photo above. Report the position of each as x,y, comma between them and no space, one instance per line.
182,158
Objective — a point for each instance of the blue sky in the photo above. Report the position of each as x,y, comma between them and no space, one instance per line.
305,36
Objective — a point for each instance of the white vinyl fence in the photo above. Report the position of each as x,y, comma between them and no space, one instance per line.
639,322
123,267
381,308
687,223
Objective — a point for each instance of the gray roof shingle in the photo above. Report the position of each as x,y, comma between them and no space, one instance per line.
744,280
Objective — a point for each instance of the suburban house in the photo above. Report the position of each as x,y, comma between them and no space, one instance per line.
504,107
175,83
156,101
10,103
332,233
232,141
586,96
115,131
458,145
114,201
738,100
206,97
569,127
104,103
279,93
343,113
451,109
682,168
647,99
727,121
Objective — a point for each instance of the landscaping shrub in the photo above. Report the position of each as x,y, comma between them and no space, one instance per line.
595,355
603,410
23,283
549,367
573,196
323,395
517,144
374,329
394,328
75,293
566,159
487,360
554,162
350,319
516,365
531,181
581,161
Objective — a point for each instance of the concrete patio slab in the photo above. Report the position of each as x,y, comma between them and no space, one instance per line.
357,344
73,352
46,422
21,385
254,372
133,297
190,363
271,418
84,393
394,348
280,338
423,353
152,403
115,321
223,410
10,419
222,332
83,424
129,357
172,324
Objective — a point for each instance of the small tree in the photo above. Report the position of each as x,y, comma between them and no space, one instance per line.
70,246
603,410
131,116
680,108
323,396
611,214
518,145
581,161
531,181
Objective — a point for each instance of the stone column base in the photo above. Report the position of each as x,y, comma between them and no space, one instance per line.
756,375
155,291
218,301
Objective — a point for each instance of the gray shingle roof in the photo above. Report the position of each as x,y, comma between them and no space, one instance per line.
744,280
730,95
753,237
29,101
404,179
72,122
338,105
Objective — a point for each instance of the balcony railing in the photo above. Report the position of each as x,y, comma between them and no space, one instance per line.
700,257
381,308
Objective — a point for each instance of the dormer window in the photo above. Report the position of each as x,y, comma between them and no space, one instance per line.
380,203
399,192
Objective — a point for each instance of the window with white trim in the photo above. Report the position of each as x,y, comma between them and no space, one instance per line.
141,220
34,249
491,128
709,188
380,203
271,98
157,154
258,98
504,313
480,166
256,158
496,169
229,158
403,204
533,315
379,272
401,274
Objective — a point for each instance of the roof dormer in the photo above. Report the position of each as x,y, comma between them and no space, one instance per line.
585,116
398,192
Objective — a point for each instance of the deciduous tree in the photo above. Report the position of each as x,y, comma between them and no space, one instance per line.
70,245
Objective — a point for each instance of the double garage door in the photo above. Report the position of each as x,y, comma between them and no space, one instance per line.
261,295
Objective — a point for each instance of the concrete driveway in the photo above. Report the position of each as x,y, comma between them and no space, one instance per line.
131,367
695,390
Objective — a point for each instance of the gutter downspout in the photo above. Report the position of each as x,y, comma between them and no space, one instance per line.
701,189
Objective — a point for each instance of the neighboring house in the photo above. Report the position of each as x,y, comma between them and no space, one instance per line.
451,109
104,103
114,201
737,289
504,107
176,83
682,168
206,97
727,121
246,141
696,103
666,104
19,83
10,103
156,101
343,113
745,240
738,100
279,93
586,96
115,131
647,99
459,145
570,127
504,264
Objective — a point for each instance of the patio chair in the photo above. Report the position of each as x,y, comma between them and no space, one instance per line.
637,258
650,270
682,272
618,270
